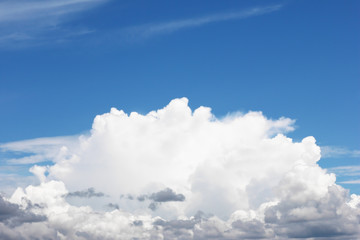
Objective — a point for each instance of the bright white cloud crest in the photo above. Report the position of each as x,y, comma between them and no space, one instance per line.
158,171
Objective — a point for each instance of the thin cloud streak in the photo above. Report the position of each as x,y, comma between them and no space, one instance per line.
347,171
35,22
336,152
353,170
351,182
35,150
172,26
14,11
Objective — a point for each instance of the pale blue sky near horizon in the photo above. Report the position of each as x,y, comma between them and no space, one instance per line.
61,65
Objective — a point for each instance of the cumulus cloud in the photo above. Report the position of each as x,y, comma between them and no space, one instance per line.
20,221
12,215
237,177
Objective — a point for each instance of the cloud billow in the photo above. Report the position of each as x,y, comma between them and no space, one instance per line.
12,215
248,178
20,222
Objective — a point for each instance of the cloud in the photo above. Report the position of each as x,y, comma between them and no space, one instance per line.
141,198
347,171
167,195
138,223
112,205
353,170
338,152
20,10
20,221
36,22
351,182
88,193
246,176
148,30
36,150
317,211
12,215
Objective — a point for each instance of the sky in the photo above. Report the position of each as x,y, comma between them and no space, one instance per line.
179,119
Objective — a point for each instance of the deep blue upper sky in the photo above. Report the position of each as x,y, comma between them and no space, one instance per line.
300,61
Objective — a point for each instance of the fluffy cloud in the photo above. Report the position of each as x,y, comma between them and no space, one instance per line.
230,178
19,222
12,215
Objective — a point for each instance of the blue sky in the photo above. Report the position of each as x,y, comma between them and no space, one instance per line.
62,65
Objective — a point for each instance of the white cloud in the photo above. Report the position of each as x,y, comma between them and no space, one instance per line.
233,178
171,26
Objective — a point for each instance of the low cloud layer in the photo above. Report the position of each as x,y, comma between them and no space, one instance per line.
238,177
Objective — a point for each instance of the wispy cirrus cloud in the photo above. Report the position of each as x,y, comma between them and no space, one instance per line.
34,150
36,22
149,30
351,182
20,10
336,152
352,171
32,23
349,174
